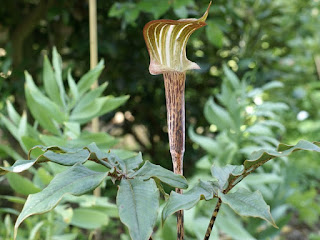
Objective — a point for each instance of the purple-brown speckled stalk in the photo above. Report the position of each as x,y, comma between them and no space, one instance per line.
174,83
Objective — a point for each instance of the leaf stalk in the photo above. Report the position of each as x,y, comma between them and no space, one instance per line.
175,101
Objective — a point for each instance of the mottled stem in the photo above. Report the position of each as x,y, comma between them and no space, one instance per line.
213,219
174,86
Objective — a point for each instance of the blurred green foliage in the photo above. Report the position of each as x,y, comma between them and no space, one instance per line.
261,40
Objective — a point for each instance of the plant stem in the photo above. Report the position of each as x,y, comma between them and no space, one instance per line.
174,87
93,62
213,219
93,49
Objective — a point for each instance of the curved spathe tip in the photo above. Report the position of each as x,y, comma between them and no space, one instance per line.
166,41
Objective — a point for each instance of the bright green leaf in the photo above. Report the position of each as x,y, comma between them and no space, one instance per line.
13,114
97,108
218,116
88,218
50,83
214,34
208,144
89,78
21,184
231,77
57,65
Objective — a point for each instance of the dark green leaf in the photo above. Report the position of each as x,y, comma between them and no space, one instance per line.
214,34
138,203
133,162
76,181
149,170
222,174
260,157
248,204
67,159
185,201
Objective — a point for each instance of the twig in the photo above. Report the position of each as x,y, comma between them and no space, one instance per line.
213,219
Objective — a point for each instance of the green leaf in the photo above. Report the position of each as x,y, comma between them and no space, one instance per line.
44,176
42,108
53,140
231,225
214,34
157,8
107,159
208,144
97,108
18,166
13,114
138,203
13,199
185,201
10,126
77,180
50,83
67,159
102,139
133,162
73,89
248,204
222,174
72,130
57,65
218,116
89,97
89,78
35,230
272,85
260,157
21,185
69,236
9,152
110,103
231,77
88,218
149,170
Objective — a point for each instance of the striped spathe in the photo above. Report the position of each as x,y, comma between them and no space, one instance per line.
166,41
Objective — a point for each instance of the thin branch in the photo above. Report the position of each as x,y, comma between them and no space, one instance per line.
213,219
